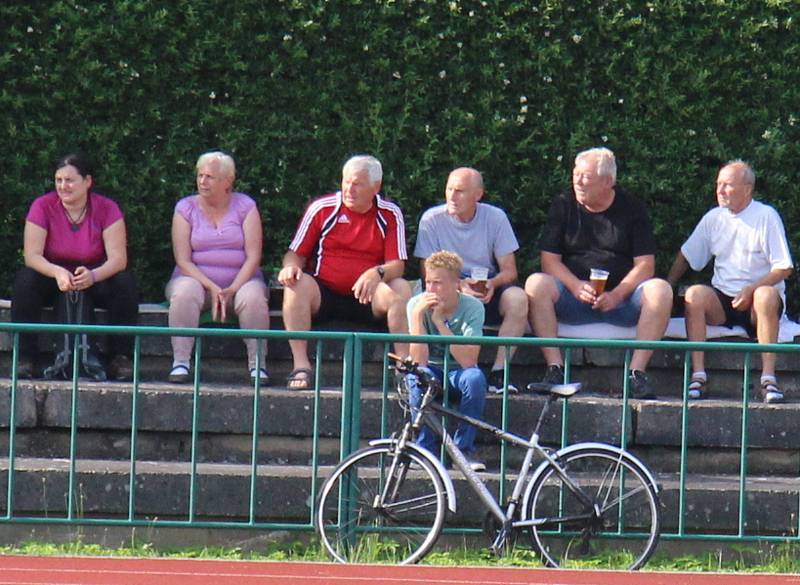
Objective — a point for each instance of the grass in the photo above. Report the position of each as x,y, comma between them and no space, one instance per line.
779,559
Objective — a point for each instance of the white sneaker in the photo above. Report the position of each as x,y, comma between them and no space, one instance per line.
476,465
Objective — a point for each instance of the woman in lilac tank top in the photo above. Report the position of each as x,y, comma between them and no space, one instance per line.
75,240
216,240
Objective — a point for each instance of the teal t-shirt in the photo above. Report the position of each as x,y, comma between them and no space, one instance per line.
467,321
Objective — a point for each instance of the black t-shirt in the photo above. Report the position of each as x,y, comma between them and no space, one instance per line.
609,239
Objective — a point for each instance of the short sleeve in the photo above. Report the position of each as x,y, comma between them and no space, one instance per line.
697,248
778,252
643,242
37,213
553,232
506,241
307,235
185,208
427,242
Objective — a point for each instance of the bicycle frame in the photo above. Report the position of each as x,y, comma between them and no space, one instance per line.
426,416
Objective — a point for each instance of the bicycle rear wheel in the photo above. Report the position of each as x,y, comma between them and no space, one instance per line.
619,529
379,505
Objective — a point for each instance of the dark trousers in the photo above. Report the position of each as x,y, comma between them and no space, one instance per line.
33,291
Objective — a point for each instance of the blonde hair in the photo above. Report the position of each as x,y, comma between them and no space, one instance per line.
225,162
445,260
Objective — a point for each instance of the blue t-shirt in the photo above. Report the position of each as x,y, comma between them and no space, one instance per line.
467,321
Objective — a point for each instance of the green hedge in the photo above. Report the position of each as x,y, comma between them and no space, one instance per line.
292,88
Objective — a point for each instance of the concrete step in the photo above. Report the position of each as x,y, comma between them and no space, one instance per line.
287,422
284,492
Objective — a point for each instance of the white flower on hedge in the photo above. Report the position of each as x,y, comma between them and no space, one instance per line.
459,44
548,79
506,82
287,37
523,99
30,29
559,158
427,128
547,33
366,47
767,135
691,132
397,75
576,38
442,74
520,120
620,101
605,138
212,95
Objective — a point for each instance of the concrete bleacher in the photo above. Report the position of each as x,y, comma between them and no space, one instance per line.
286,419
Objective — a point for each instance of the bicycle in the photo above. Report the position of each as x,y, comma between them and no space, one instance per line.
581,503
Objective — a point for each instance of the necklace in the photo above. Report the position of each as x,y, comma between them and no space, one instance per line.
74,224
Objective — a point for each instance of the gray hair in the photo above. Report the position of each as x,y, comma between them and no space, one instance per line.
604,159
225,162
747,173
365,162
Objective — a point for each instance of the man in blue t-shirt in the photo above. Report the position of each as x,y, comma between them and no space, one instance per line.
597,225
444,310
482,235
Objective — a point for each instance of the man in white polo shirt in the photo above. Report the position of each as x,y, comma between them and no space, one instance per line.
747,241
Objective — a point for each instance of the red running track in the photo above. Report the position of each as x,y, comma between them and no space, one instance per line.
27,570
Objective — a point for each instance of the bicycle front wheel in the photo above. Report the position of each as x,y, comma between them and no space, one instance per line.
617,527
381,505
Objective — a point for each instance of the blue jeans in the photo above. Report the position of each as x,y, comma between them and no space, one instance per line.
468,387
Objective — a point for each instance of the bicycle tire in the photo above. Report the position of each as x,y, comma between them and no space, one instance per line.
625,531
400,529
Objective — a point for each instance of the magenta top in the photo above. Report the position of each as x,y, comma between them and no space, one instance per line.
217,251
83,247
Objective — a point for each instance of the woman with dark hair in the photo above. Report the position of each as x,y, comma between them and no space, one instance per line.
75,240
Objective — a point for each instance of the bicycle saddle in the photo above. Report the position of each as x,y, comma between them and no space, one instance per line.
562,390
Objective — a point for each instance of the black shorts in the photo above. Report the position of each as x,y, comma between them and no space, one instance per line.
492,308
332,305
741,318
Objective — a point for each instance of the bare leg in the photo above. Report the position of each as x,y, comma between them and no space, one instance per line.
542,297
300,302
702,307
390,300
766,302
514,310
656,308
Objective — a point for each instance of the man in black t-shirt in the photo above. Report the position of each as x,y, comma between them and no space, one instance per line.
597,225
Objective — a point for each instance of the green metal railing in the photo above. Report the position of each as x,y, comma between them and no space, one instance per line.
354,349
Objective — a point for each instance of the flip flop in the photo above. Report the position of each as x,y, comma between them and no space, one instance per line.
301,377
697,388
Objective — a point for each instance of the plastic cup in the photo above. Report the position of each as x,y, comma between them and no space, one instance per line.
598,278
479,275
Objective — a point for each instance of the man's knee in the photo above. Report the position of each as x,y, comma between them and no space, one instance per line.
540,286
514,304
657,294
472,382
766,301
699,298
301,294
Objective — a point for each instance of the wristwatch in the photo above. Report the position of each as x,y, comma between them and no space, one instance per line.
381,271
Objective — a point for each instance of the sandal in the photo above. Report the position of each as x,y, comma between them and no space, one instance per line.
697,388
179,374
299,379
770,393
